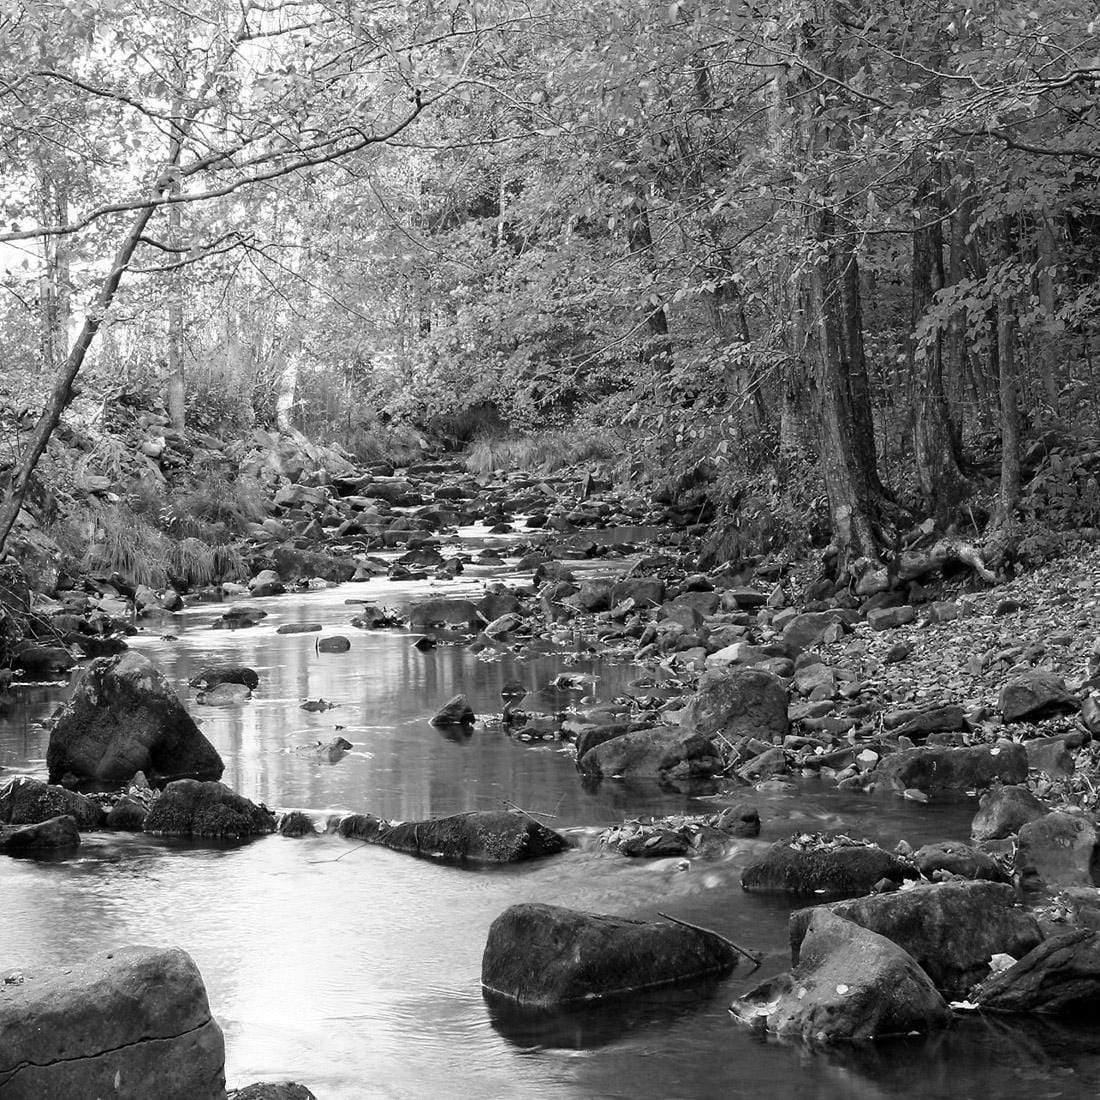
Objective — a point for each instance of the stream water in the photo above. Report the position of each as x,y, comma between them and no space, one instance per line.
355,970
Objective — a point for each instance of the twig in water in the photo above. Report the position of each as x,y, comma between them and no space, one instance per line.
341,856
531,813
754,959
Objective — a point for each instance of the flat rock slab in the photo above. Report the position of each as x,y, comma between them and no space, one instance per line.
1060,976
850,983
545,956
937,768
951,929
849,869
481,837
130,1024
123,718
193,809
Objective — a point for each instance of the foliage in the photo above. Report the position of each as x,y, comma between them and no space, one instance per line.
544,452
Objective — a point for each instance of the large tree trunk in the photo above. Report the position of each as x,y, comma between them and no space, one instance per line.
935,436
1008,493
830,293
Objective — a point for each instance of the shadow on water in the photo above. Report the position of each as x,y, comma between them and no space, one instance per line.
589,1027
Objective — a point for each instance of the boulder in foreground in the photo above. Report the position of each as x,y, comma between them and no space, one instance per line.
546,956
133,1023
1062,975
124,718
850,983
484,836
951,929
190,808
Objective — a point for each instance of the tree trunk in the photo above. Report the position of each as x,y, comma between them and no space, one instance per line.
177,383
935,436
657,347
1048,260
1008,494
63,387
830,295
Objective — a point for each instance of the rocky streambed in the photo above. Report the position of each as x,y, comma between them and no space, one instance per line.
624,735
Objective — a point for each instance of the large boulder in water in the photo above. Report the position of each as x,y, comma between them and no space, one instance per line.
545,956
1060,976
738,702
133,1022
484,836
823,866
190,808
850,983
951,929
27,801
124,718
1058,849
445,612
1003,811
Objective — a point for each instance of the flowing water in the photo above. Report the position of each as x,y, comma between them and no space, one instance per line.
355,970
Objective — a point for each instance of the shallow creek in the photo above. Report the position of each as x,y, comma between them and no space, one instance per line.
355,970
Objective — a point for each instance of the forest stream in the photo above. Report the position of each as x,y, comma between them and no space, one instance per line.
355,969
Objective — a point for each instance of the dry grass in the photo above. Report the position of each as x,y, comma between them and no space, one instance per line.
544,452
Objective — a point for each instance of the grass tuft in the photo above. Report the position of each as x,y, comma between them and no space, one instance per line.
545,452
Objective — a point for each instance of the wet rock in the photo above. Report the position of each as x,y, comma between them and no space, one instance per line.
596,735
127,815
1057,850
738,653
740,820
455,712
57,832
124,718
850,983
823,866
330,752
666,754
43,660
953,858
224,695
1033,695
266,583
133,1022
295,823
545,955
27,801
238,618
298,628
478,837
335,643
445,612
272,1090
937,768
1003,810
190,808
738,702
657,844
951,929
229,674
1060,976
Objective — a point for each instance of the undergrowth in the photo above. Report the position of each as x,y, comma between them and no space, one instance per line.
544,452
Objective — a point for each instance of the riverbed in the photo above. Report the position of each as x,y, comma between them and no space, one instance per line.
355,970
